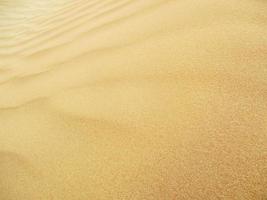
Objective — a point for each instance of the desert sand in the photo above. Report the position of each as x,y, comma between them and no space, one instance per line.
133,100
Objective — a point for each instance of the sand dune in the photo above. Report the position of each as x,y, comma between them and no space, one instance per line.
133,99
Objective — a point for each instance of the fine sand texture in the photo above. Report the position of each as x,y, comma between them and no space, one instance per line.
133,100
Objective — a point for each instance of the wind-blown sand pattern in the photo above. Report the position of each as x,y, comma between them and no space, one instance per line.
133,100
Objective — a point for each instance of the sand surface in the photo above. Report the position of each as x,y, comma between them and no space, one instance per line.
133,100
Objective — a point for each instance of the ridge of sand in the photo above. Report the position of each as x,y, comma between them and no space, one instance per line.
133,99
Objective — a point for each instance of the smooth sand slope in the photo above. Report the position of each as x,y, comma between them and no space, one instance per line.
133,100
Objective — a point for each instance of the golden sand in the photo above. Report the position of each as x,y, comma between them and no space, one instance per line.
133,100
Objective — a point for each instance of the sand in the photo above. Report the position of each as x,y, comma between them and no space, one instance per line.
133,100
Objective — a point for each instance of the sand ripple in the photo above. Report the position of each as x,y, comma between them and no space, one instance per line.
133,99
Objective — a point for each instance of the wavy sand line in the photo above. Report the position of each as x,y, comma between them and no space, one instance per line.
133,99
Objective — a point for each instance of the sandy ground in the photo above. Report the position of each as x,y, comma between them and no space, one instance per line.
133,100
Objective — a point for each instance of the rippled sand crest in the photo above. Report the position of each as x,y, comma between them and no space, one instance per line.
133,99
